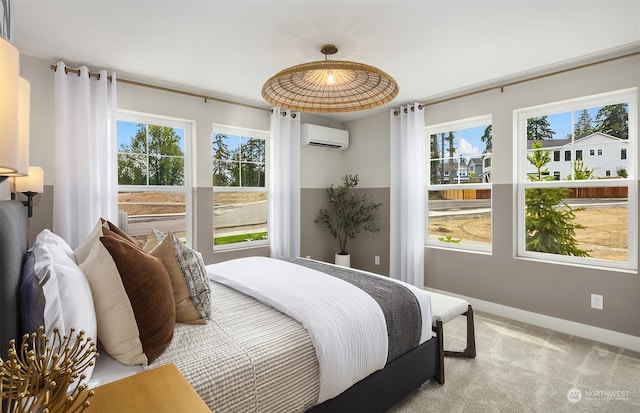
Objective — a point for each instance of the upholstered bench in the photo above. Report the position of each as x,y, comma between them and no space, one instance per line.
445,308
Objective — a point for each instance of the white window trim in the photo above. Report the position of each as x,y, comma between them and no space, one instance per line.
467,123
520,125
249,133
189,158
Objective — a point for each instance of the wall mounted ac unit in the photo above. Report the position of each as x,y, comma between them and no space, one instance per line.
324,137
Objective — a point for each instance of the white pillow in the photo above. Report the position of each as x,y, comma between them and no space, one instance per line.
68,301
47,236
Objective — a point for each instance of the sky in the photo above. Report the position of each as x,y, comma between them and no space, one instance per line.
471,146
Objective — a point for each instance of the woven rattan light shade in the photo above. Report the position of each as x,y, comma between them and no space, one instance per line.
330,86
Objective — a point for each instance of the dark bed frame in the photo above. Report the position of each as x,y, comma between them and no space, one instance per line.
376,393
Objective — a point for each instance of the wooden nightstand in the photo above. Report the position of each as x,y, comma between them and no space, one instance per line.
163,389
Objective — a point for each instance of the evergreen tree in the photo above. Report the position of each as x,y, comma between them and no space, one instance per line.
252,160
539,129
614,120
549,220
580,171
487,139
584,125
221,161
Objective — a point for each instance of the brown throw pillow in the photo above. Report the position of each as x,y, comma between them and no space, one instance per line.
122,234
148,287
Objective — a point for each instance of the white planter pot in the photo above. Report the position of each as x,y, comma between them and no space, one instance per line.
343,260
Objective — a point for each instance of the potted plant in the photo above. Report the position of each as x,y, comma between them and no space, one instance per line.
348,214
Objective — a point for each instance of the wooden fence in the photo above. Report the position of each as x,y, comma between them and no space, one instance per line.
609,192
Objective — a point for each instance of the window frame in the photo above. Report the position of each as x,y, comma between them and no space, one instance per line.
189,127
243,133
467,123
520,132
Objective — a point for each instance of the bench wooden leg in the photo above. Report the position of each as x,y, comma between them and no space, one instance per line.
470,351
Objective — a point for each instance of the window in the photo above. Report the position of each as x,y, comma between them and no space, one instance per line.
592,152
240,190
567,155
579,155
153,175
458,187
623,153
556,156
583,214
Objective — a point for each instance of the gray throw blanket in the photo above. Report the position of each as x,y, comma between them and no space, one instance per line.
400,307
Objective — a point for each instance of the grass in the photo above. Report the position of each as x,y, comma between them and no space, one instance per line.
256,236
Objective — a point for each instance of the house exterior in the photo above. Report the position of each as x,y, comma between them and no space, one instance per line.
602,153
475,167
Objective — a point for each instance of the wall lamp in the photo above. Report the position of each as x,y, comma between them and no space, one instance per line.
30,185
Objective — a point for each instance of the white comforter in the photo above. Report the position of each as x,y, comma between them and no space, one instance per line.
346,325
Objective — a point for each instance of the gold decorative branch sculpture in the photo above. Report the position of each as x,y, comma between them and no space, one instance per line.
45,375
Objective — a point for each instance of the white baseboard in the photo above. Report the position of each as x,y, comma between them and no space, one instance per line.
602,335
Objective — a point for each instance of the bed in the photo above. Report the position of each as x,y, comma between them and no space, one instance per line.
246,328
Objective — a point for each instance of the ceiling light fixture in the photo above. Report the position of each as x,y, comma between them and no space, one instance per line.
330,86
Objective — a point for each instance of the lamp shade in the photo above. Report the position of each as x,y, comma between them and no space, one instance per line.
34,182
24,105
330,86
9,142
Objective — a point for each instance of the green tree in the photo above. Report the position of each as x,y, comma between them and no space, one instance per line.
452,151
580,171
166,158
221,161
539,129
549,220
252,157
487,139
614,120
434,154
584,125
152,157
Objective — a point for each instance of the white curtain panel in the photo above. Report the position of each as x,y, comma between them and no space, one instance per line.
407,195
284,184
85,179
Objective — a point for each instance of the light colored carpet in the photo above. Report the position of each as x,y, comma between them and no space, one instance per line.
524,368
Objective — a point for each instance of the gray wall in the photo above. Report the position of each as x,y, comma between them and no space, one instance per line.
561,291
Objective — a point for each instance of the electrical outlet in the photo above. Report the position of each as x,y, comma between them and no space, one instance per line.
376,260
597,301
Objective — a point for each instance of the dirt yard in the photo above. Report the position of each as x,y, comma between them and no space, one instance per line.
606,234
143,203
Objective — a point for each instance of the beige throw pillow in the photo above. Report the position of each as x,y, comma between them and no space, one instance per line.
188,274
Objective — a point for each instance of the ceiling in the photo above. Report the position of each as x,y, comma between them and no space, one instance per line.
228,49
